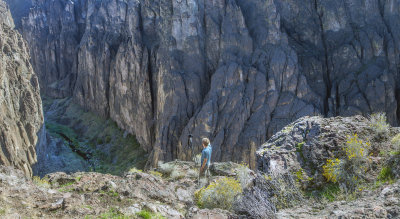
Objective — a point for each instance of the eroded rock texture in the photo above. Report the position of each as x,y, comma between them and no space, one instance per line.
305,145
21,115
232,70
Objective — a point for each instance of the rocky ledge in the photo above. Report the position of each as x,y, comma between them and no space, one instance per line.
291,182
168,193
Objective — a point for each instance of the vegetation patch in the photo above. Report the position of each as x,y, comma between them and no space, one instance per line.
379,125
156,173
66,187
396,143
110,193
330,192
113,213
349,171
149,215
285,190
42,182
219,194
135,170
299,149
386,175
109,149
243,174
301,176
57,130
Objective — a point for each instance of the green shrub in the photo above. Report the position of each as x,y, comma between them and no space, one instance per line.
113,213
135,170
386,174
330,192
78,178
66,187
108,139
396,142
379,125
149,215
156,173
299,149
42,182
243,175
219,194
349,170
301,176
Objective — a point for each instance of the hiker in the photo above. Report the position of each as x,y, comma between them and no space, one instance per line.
205,159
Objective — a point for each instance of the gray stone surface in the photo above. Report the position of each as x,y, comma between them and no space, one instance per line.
307,143
21,116
380,203
236,71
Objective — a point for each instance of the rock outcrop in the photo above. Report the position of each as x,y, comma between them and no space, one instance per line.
304,146
236,71
21,116
61,195
380,203
19,9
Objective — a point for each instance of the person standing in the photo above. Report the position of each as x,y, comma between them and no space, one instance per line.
205,159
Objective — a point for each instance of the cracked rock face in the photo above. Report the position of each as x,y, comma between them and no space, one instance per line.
235,71
21,115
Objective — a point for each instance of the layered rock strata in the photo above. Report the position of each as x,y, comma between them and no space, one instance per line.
21,116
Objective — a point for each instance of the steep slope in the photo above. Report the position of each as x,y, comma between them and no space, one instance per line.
19,9
21,116
235,71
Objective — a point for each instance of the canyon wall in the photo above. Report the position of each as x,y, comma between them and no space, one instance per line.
19,9
235,71
21,116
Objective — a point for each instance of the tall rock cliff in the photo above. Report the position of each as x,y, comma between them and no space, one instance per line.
21,116
232,70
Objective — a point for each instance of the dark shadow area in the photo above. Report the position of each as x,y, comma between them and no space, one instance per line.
76,140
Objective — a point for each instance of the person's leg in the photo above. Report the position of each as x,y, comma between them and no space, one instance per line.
207,175
198,179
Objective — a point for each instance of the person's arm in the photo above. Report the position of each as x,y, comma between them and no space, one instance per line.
204,163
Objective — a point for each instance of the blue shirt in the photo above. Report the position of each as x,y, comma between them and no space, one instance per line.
206,154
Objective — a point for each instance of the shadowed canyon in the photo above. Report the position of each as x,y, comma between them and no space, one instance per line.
96,87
